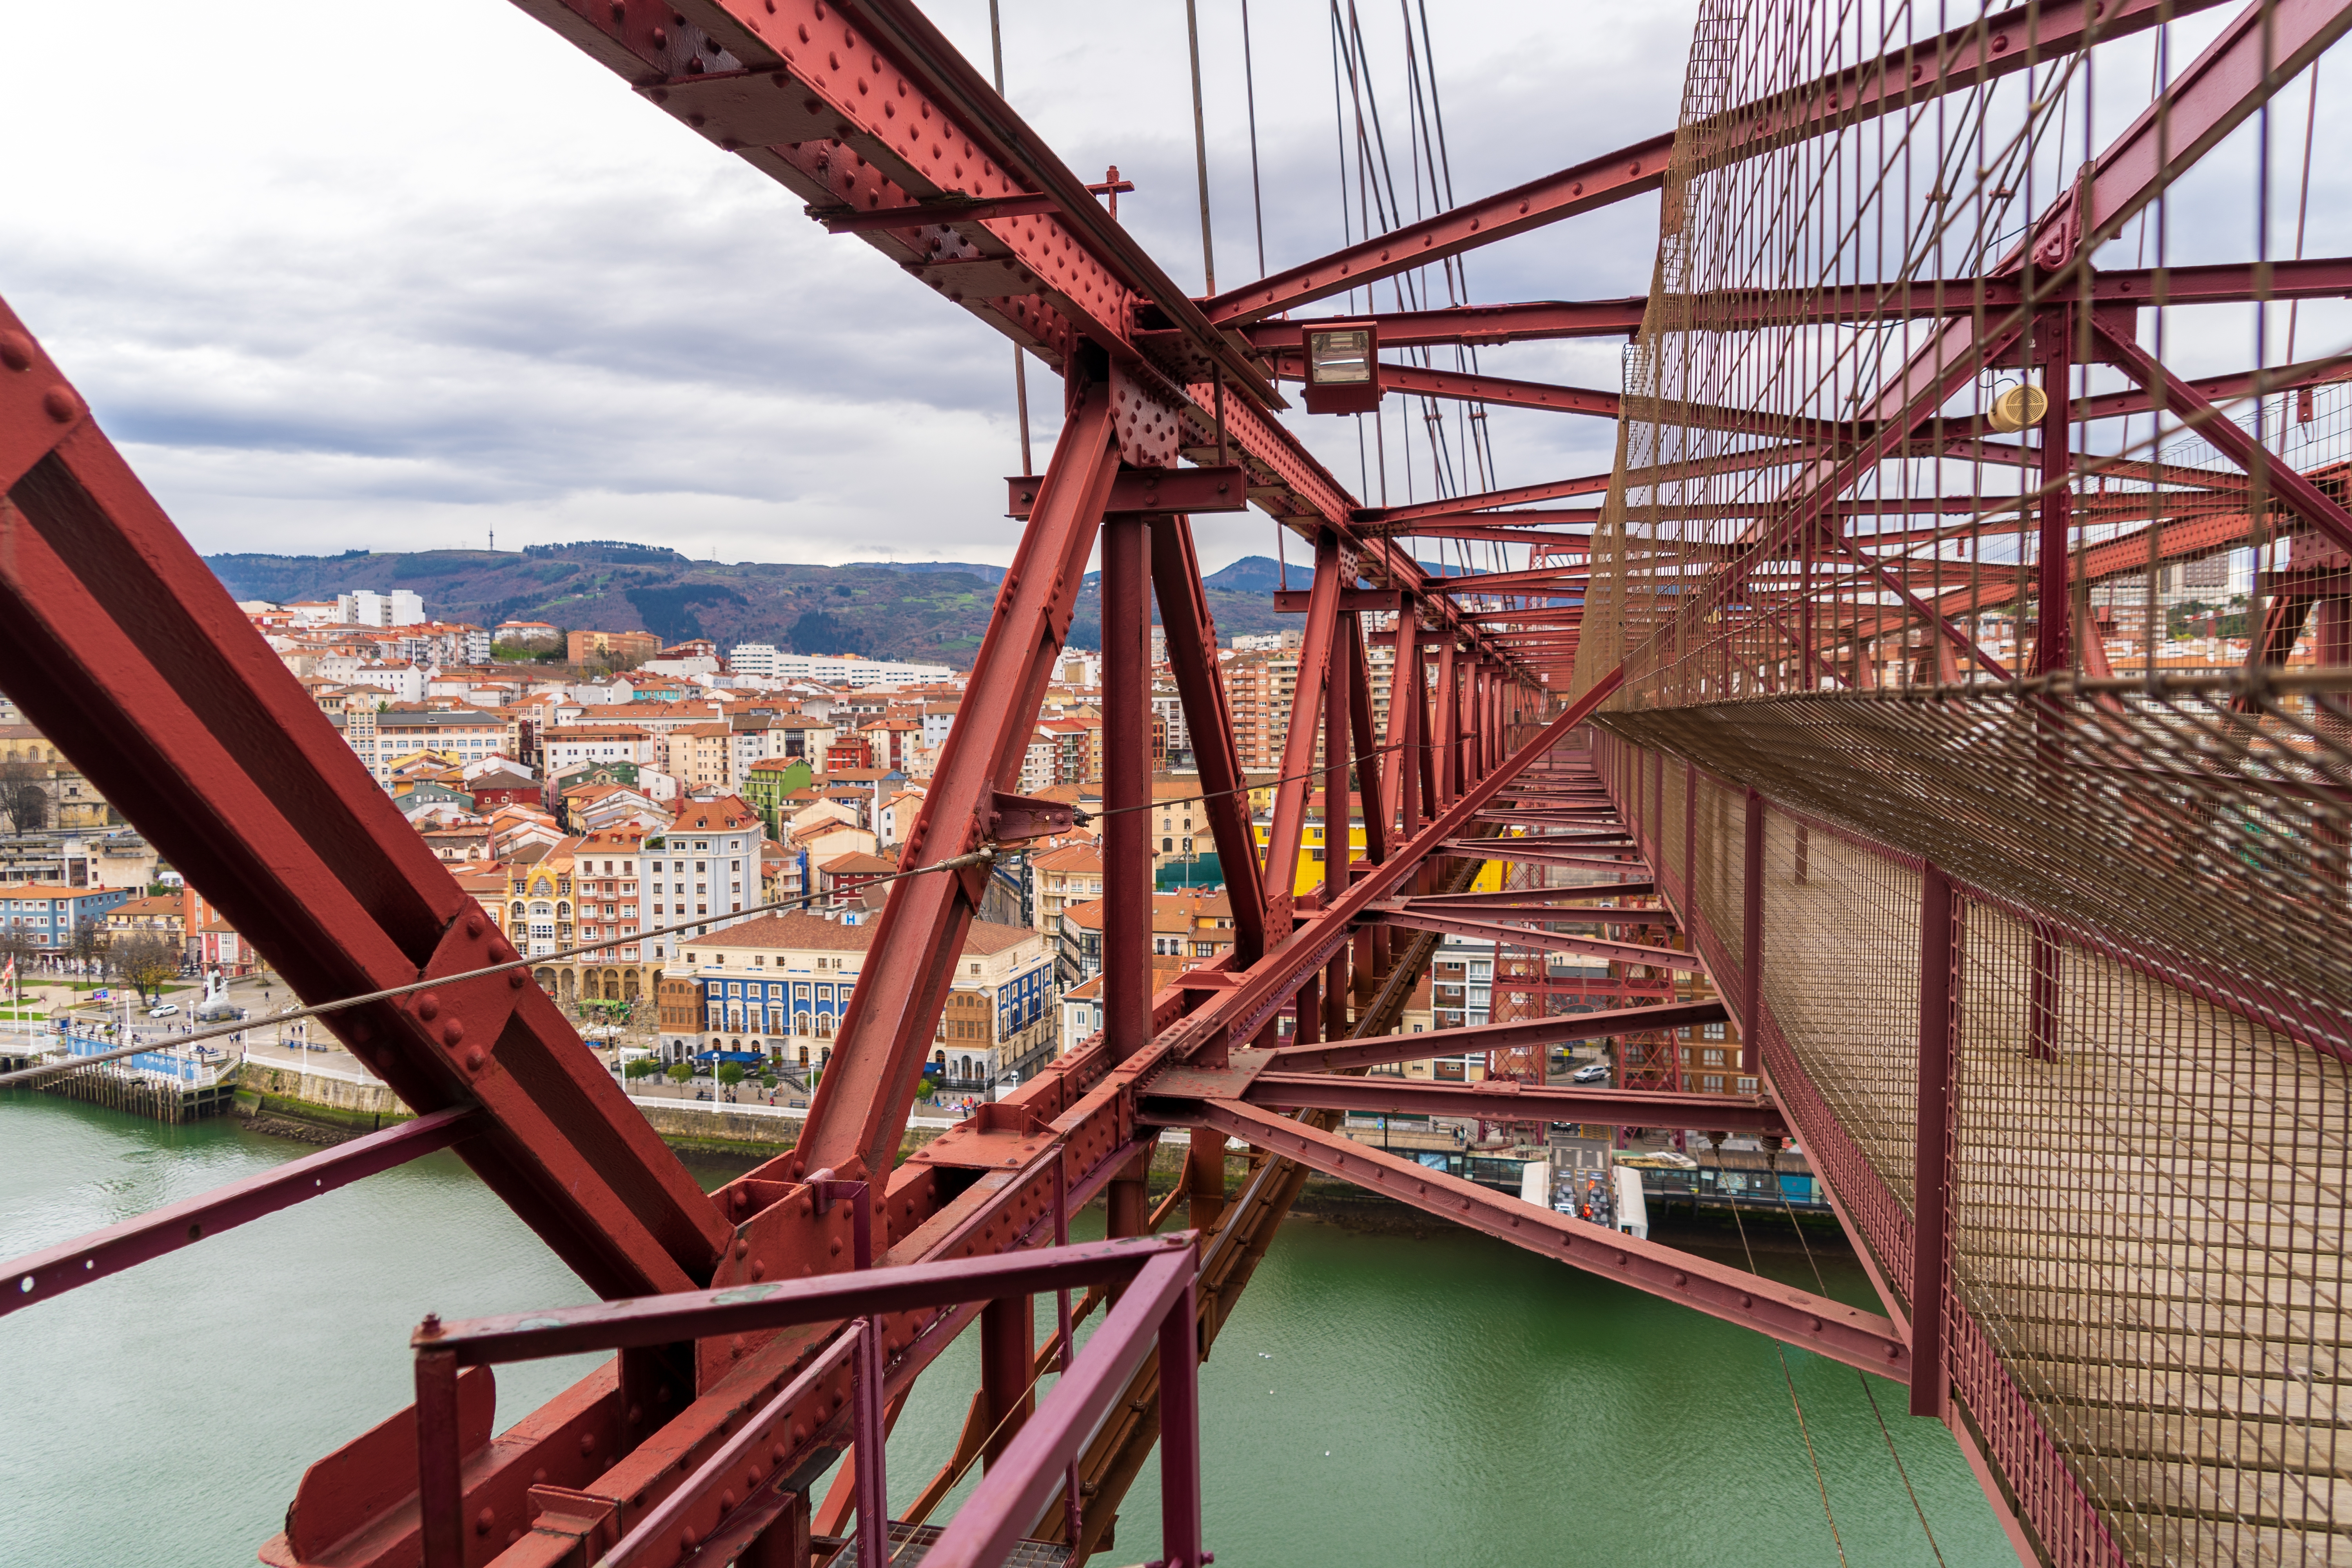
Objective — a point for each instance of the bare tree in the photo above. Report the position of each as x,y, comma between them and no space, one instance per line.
25,796
144,959
88,942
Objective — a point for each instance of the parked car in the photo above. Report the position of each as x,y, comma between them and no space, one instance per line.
164,1011
1592,1072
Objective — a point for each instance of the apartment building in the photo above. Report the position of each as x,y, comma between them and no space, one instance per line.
779,986
703,865
463,735
1071,873
565,747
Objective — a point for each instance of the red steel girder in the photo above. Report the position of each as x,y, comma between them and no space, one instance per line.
1467,387
1050,279
2314,505
1191,640
1539,582
1508,1100
126,650
55,1270
1464,386
860,1107
2321,277
1474,325
1404,914
1583,187
1844,1333
1519,1034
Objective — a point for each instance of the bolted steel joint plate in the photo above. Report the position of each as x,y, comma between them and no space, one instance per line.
462,1020
1183,1080
1147,421
37,408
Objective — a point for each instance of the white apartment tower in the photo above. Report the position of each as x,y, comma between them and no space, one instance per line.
366,607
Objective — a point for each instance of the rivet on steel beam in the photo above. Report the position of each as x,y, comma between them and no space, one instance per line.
59,405
428,1006
474,1059
452,1032
16,351
473,925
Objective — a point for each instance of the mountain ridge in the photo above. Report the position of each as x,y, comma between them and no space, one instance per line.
934,612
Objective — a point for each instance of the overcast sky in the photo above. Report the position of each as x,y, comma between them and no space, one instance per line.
338,276
335,276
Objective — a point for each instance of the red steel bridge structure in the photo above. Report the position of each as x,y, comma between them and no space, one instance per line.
2040,952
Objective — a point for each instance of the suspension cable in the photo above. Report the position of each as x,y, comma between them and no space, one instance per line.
1249,84
1786,1376
1200,145
983,856
1821,1286
1020,368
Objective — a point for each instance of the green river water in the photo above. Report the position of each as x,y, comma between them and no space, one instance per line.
1373,1398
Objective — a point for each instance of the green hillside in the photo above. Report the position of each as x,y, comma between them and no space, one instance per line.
934,612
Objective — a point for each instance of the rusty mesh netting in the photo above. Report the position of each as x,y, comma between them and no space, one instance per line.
2211,839
2150,1117
2154,1010
1828,574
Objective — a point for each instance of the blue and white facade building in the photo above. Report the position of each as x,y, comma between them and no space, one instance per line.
47,917
778,986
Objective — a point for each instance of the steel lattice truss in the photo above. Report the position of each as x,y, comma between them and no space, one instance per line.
1959,919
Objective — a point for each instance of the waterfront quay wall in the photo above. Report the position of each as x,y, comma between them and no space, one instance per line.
326,1108
184,1091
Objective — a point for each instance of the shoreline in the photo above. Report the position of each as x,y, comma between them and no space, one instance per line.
714,1136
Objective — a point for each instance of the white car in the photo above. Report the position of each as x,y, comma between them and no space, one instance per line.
165,1011
1592,1072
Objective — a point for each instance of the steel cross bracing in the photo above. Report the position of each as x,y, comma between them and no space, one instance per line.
124,650
157,678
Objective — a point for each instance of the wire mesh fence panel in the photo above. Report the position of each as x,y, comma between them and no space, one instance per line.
1841,983
2198,826
2150,1133
1719,819
2148,1230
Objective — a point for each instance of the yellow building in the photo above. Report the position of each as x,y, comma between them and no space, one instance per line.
1309,874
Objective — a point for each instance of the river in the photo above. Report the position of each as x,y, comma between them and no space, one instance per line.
1373,1396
